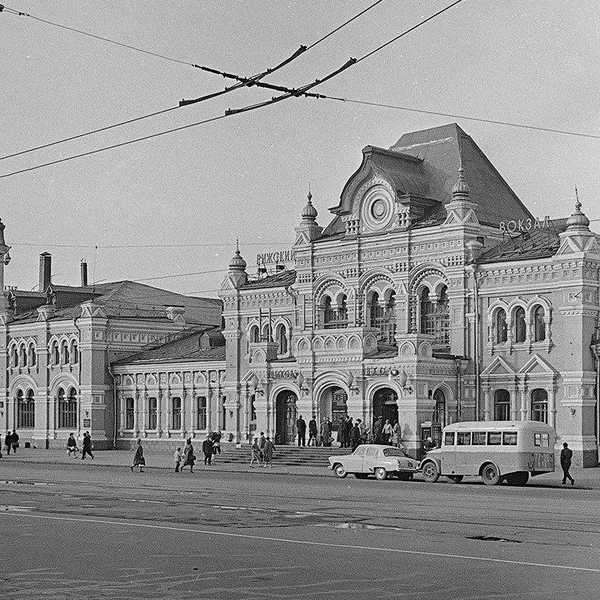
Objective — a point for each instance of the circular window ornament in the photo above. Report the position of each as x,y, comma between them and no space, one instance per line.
377,209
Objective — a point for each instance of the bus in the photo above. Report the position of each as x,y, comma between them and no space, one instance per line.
496,451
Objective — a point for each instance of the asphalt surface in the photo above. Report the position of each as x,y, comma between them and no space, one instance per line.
79,529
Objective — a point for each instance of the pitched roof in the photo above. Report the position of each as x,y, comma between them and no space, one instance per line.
534,244
282,279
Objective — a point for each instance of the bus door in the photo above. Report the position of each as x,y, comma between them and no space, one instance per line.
449,456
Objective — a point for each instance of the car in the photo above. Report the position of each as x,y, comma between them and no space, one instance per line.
375,459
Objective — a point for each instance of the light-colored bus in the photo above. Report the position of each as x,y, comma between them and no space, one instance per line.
496,451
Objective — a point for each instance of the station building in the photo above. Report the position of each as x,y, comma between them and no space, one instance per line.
431,295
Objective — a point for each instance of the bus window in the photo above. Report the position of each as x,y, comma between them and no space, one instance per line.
509,438
449,438
541,439
464,438
494,438
479,438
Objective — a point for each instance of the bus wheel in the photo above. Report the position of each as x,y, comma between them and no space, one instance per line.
380,473
490,474
431,472
519,478
455,478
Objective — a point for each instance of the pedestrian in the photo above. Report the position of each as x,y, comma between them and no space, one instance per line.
8,442
72,446
312,431
216,441
342,431
268,452
386,432
363,431
354,436
256,453
396,438
301,429
14,441
262,441
566,455
138,457
428,444
377,430
325,432
188,455
177,458
86,446
207,450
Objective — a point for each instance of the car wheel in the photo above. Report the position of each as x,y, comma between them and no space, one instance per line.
340,471
380,473
431,473
360,475
519,478
490,474
455,478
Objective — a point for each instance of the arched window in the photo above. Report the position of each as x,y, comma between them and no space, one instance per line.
201,410
129,413
74,353
281,339
25,410
501,327
539,327
501,405
64,353
254,337
176,412
32,357
539,405
55,354
67,409
335,318
435,316
383,317
266,333
14,357
520,328
22,356
439,412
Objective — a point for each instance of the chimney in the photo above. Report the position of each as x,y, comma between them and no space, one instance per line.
84,274
45,271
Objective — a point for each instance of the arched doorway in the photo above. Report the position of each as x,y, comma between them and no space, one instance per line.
385,405
285,417
334,405
439,411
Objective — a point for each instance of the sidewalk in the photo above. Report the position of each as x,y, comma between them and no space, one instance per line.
584,478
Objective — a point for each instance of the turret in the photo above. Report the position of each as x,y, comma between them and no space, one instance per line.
309,229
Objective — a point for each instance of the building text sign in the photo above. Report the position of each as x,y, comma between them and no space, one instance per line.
274,258
524,225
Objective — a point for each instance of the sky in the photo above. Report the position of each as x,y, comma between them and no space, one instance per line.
168,211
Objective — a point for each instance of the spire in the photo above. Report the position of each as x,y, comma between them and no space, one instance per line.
460,189
309,212
578,219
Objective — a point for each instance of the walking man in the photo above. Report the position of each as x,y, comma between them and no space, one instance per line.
207,450
8,442
566,455
86,446
301,427
14,439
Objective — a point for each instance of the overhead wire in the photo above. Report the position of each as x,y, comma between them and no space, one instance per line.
243,82
231,112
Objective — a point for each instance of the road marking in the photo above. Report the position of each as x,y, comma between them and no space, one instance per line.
300,542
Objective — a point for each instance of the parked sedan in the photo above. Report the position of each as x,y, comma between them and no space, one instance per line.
375,459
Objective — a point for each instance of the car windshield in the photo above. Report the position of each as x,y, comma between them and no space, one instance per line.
393,452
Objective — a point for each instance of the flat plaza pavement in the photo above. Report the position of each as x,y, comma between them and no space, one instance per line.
588,478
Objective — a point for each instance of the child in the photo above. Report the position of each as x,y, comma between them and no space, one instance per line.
177,457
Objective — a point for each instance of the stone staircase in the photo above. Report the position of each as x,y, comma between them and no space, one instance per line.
284,455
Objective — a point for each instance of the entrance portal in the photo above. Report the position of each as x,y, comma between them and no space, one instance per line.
285,417
385,405
334,405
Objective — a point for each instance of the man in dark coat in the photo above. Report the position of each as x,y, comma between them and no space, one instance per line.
8,442
377,430
312,431
86,446
566,455
354,437
14,441
207,450
301,428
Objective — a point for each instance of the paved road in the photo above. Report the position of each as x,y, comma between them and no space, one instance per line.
78,531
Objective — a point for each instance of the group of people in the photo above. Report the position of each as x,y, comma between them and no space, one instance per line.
11,442
262,451
350,433
86,446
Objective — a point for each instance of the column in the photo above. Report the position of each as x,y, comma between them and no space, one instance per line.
487,410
